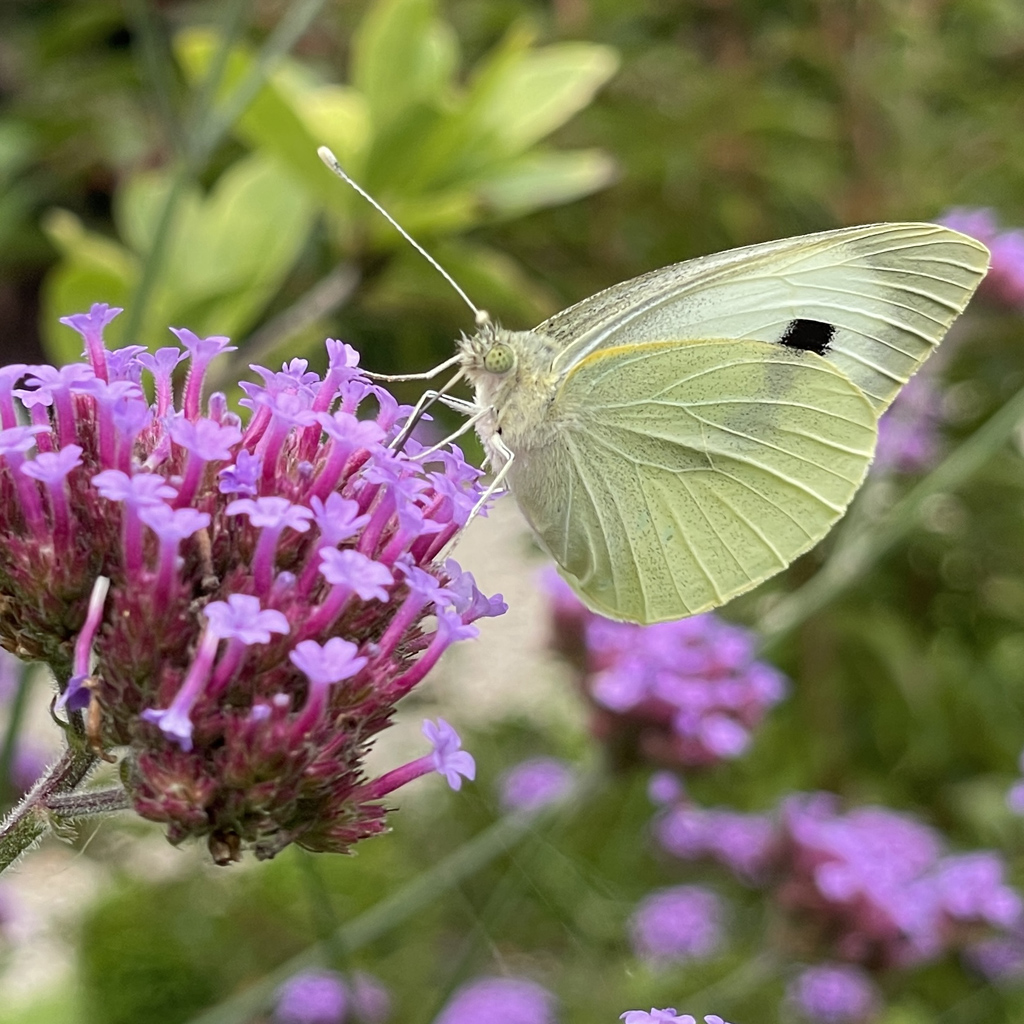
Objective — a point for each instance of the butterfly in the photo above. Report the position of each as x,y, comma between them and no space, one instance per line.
677,439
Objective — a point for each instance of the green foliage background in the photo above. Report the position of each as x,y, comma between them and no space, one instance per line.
162,157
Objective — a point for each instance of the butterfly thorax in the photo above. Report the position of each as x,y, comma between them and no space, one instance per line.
512,378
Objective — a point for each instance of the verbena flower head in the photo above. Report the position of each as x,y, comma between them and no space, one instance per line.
499,1001
240,605
683,922
909,434
834,994
535,783
1005,279
313,997
681,694
325,997
747,844
882,886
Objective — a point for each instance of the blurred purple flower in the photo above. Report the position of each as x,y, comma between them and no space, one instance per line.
186,549
499,1001
999,958
681,694
535,783
680,923
1005,279
834,994
909,437
747,844
313,997
881,884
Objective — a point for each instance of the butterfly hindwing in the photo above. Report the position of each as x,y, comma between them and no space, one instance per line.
688,472
873,300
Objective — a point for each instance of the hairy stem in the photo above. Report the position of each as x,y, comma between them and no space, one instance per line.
69,806
29,821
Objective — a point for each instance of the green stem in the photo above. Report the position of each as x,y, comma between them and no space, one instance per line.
867,545
71,806
389,913
29,821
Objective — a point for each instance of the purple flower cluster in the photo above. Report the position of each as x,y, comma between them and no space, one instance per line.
1005,280
238,605
681,694
909,437
747,844
535,783
874,887
880,883
324,997
834,994
680,923
499,1001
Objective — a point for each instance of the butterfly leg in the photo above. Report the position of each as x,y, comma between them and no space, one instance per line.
426,375
427,399
477,415
499,478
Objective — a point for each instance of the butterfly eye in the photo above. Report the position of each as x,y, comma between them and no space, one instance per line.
499,358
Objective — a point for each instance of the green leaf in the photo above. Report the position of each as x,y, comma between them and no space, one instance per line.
93,269
540,179
522,95
403,56
229,253
292,115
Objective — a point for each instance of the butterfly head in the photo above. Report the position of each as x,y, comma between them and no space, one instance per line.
488,352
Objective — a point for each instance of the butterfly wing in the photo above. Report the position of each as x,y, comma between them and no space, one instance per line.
685,473
872,300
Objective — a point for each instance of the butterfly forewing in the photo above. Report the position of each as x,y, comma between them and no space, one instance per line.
687,473
873,301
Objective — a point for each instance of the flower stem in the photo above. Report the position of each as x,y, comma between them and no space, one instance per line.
866,546
29,821
69,806
496,841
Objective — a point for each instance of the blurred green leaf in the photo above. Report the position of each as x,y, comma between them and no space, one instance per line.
522,95
291,116
402,56
230,253
542,179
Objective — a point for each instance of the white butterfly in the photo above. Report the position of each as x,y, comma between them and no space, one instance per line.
676,439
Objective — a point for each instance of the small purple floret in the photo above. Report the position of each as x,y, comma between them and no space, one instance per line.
449,759
53,467
242,618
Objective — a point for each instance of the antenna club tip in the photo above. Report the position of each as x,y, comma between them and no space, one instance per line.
327,156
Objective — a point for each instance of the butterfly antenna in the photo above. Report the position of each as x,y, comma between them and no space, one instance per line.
481,316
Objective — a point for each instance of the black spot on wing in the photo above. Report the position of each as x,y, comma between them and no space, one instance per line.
808,336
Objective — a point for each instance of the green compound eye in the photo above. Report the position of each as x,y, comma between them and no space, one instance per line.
499,358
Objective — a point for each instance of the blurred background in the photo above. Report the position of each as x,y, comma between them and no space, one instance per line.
161,156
